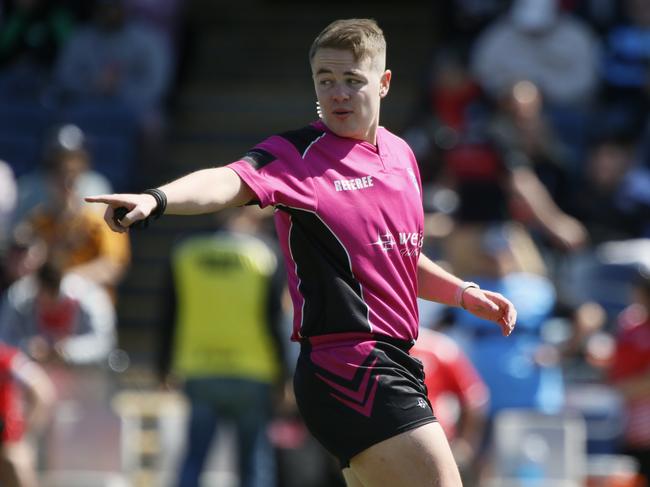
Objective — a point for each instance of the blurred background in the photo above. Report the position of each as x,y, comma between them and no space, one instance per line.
529,119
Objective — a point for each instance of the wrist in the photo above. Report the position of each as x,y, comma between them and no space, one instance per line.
153,203
160,202
460,292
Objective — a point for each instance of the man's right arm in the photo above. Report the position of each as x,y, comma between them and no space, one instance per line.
203,191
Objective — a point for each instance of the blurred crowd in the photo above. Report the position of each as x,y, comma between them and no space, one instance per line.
105,65
83,90
533,139
532,136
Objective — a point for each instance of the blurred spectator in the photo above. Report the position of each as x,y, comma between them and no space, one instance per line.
52,317
74,233
494,183
457,394
443,112
458,22
8,195
116,59
626,66
630,372
113,77
23,255
31,36
163,15
21,382
502,163
539,166
525,137
586,348
578,332
614,205
530,43
614,197
452,90
224,341
66,323
65,155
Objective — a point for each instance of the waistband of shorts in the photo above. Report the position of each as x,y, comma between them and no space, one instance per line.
404,345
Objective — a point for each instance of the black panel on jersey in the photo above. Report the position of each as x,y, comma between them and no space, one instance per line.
333,299
258,158
302,138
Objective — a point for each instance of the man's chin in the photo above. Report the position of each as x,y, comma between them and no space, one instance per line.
342,131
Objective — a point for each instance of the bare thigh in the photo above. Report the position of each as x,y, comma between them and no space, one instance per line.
351,479
17,465
416,458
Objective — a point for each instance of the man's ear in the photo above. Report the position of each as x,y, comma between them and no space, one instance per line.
384,83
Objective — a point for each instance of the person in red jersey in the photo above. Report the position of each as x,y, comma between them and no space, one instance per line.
630,372
22,382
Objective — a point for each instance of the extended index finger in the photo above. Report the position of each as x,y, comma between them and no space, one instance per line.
109,199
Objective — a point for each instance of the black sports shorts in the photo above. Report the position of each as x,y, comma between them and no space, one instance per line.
354,390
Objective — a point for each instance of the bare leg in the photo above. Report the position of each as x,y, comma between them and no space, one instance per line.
351,479
18,465
8,476
416,458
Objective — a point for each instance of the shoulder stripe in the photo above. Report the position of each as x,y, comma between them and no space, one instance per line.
303,138
258,158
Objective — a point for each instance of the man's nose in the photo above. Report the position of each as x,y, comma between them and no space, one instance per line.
340,93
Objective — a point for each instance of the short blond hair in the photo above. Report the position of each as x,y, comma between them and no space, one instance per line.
362,37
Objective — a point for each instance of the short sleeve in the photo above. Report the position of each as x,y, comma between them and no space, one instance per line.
278,174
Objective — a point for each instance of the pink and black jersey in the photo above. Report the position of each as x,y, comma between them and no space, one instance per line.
350,222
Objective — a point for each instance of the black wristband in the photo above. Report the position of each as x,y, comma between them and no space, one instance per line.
161,202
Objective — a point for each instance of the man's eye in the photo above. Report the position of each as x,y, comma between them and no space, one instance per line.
325,82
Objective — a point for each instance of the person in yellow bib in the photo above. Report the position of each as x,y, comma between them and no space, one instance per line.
223,341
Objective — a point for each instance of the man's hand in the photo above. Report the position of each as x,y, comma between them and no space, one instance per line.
139,207
490,306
